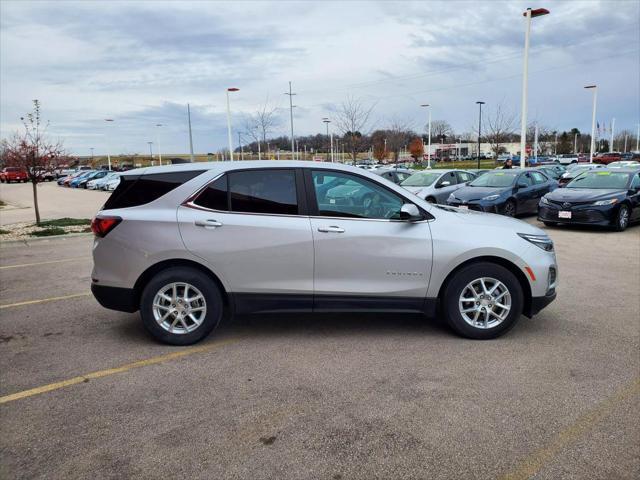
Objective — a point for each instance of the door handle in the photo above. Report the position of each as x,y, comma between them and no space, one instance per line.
331,229
209,223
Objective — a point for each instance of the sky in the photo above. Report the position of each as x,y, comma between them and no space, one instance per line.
140,63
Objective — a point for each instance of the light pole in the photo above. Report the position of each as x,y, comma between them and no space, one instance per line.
529,14
426,105
91,154
479,103
326,121
110,120
151,151
613,127
638,139
158,125
593,120
291,115
240,144
191,156
231,89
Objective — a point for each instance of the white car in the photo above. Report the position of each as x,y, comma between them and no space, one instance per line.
112,184
183,244
99,183
566,159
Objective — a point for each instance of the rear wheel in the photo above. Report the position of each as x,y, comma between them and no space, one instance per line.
483,301
622,218
181,306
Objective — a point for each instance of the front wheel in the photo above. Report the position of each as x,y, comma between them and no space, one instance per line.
510,208
622,218
181,306
483,301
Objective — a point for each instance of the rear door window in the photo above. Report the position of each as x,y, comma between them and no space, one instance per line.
464,177
136,190
215,196
270,191
538,177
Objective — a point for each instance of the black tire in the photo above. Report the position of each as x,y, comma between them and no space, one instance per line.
458,283
208,288
510,208
621,221
431,200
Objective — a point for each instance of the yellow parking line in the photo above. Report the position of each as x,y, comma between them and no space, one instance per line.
112,371
534,462
43,263
43,300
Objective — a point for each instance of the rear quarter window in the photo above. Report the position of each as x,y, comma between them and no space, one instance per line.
136,190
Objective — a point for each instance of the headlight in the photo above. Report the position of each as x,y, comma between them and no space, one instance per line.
542,241
611,201
544,200
491,197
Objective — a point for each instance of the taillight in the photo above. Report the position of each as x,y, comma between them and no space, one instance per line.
100,226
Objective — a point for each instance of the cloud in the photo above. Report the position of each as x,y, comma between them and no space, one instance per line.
142,62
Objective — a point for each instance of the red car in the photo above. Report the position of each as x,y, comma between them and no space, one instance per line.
13,174
607,158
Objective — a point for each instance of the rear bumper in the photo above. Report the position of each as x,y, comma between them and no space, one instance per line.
115,298
538,303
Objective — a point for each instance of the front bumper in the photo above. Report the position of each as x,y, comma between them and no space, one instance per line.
538,303
478,205
115,298
603,215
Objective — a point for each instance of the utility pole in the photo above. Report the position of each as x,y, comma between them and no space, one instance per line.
91,154
151,151
158,125
575,143
326,121
291,115
191,156
426,105
638,139
240,144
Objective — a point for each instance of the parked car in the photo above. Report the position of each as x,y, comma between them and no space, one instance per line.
98,183
183,244
508,192
607,158
97,174
567,158
607,197
395,175
76,181
435,186
624,164
574,171
112,184
13,174
550,172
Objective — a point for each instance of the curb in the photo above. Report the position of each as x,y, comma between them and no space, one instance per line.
27,241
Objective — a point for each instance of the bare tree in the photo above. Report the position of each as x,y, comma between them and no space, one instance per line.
501,124
351,120
441,130
398,135
33,152
261,123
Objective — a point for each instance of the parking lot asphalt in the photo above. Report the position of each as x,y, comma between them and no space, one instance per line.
85,392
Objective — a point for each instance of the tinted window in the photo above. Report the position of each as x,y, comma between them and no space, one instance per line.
134,190
344,195
264,191
526,178
215,196
538,177
464,177
448,177
601,179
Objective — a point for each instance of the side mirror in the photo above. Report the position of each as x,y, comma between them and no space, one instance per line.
522,184
410,212
445,183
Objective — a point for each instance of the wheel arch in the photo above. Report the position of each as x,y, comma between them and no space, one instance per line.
512,267
150,272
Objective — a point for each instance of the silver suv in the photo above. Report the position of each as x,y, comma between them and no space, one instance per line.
188,244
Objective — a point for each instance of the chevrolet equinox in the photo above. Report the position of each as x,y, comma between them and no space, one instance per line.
188,244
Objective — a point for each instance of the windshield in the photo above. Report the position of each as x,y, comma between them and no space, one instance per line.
421,179
495,179
606,180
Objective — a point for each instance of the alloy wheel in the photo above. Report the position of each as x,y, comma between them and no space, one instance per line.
623,217
485,303
179,308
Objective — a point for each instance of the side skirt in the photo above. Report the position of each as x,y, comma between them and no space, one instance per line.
276,303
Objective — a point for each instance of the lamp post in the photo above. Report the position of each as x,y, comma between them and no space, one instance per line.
231,89
110,120
479,103
529,14
91,154
151,151
291,116
593,120
240,145
426,105
326,121
191,156
158,125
